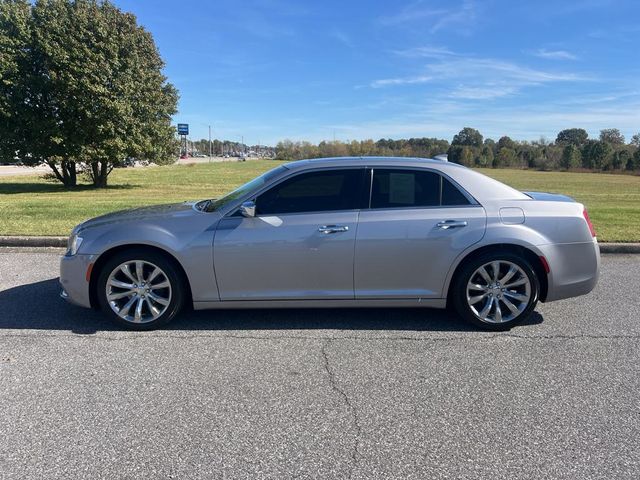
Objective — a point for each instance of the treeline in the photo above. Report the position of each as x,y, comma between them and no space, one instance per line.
227,147
413,147
571,150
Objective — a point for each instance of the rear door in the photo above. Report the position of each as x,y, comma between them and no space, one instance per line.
418,222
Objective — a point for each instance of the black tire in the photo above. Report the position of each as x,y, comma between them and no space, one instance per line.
170,271
459,290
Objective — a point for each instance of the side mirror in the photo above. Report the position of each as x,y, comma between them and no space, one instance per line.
248,209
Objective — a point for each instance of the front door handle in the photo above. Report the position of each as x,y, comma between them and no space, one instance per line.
447,224
326,229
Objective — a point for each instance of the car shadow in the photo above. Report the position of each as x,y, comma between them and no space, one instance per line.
38,306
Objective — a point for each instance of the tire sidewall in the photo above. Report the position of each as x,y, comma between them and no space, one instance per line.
460,289
172,273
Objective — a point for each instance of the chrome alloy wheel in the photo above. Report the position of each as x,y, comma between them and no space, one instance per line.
498,291
138,291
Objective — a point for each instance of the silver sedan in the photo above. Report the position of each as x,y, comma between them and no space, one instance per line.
339,232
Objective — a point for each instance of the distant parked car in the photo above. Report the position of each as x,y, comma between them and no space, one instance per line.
127,162
184,156
346,232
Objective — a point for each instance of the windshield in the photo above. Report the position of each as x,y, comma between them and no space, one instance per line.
256,183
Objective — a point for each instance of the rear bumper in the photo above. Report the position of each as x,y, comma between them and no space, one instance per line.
75,287
575,268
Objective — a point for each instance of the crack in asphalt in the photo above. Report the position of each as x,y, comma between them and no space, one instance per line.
355,453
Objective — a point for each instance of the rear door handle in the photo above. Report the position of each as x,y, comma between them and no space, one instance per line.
326,229
447,224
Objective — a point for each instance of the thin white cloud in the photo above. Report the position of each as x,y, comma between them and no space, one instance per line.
498,70
429,51
464,17
480,78
461,18
343,38
487,92
555,54
413,12
385,82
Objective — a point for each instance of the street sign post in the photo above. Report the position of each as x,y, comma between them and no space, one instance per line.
183,131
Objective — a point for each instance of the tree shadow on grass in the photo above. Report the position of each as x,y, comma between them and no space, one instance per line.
38,306
20,187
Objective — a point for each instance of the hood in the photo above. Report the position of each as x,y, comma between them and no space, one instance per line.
154,212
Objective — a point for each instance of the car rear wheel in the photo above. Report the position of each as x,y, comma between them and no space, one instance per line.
496,291
140,289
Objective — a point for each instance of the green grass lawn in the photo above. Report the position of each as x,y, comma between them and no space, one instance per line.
32,206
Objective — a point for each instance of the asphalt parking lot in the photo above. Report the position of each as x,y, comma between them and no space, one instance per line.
318,393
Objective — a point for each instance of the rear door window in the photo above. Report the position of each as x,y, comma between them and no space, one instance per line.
405,188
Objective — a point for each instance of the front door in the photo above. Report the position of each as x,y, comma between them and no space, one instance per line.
300,244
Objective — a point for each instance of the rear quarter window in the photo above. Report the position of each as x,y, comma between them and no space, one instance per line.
451,195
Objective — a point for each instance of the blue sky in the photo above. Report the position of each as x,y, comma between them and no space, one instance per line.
309,70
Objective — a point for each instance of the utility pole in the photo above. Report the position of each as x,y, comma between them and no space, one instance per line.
209,142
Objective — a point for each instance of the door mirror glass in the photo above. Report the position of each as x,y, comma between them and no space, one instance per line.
248,209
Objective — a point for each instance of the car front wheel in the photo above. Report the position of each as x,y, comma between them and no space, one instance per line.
140,289
496,291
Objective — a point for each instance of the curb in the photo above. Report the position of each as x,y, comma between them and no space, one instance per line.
61,242
18,241
619,247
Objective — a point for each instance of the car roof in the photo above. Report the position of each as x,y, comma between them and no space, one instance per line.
370,161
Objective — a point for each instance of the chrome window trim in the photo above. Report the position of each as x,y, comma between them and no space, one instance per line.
437,207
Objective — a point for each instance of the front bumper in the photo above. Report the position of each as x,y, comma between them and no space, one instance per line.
575,268
73,279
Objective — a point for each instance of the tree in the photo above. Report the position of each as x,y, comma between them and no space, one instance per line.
612,136
94,92
460,154
620,159
14,41
634,162
635,140
572,136
506,142
485,159
468,137
596,155
570,157
506,158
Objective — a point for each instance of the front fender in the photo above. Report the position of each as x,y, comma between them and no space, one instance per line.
191,247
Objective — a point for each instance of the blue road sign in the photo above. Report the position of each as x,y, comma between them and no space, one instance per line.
183,129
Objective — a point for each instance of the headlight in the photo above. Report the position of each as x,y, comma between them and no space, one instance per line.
73,244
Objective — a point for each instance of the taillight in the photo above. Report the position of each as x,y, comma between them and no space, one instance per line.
589,224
